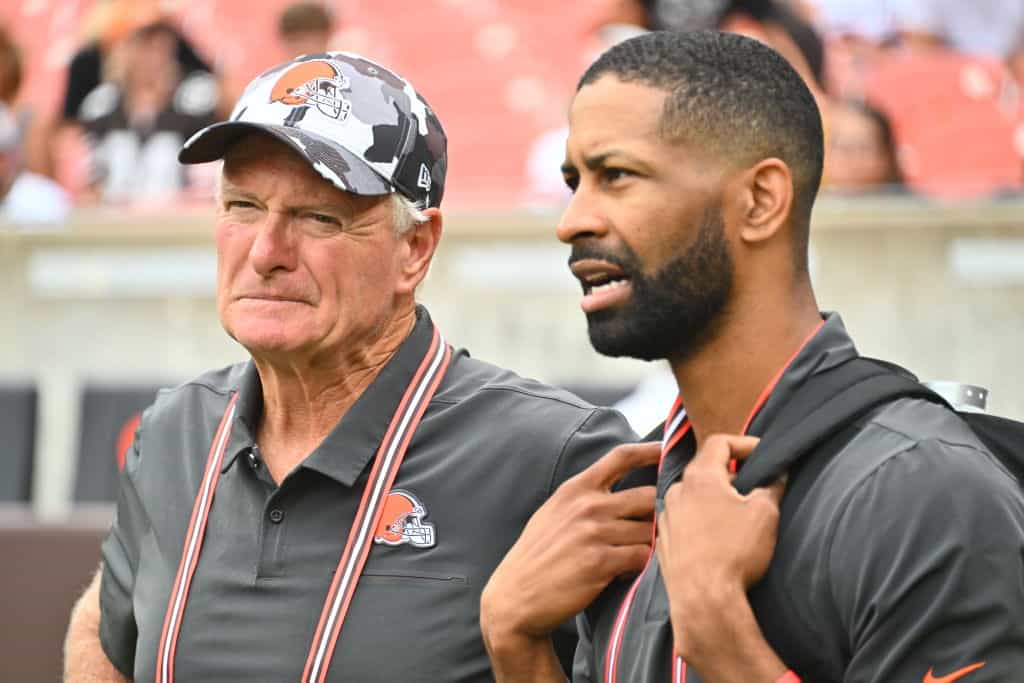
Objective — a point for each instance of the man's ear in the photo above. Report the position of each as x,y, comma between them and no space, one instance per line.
767,189
418,246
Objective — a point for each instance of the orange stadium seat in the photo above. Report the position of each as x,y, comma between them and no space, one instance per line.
955,119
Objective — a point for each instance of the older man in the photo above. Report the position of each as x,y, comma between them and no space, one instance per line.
331,509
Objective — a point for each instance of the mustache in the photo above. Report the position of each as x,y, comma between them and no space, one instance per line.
625,259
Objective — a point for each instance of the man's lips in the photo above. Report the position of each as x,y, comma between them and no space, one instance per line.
273,298
604,283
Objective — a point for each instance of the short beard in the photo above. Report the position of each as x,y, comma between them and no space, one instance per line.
674,312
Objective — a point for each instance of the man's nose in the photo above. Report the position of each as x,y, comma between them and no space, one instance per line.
582,218
275,246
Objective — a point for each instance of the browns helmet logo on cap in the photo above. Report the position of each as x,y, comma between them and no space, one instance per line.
402,522
316,82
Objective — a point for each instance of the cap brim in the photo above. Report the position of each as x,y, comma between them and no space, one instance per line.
337,165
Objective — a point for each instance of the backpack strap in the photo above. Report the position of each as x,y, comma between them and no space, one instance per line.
822,407
811,430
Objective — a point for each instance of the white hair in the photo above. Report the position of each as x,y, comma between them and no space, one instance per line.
405,213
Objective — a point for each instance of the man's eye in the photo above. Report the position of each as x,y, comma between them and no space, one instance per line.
240,204
572,182
323,219
611,175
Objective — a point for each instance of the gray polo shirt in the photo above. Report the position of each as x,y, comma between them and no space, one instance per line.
490,449
903,563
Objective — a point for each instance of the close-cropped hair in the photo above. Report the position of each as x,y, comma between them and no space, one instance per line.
730,95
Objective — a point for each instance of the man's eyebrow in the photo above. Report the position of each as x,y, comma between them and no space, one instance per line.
326,206
226,187
596,161
323,207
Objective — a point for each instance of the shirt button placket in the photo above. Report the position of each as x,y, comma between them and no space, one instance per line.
271,561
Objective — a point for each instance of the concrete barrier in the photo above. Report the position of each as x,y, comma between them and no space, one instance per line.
130,298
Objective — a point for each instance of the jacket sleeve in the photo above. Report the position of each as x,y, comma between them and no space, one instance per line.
118,631
927,569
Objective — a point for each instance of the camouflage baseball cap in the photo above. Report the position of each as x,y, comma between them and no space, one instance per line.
359,125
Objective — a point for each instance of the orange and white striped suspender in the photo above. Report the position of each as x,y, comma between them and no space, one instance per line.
388,459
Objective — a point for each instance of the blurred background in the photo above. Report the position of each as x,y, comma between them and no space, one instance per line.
106,253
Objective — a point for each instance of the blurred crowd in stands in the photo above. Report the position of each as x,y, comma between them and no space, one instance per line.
920,97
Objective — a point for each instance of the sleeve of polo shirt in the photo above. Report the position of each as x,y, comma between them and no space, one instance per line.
599,432
927,570
118,631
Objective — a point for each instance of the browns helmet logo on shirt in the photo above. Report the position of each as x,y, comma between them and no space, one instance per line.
402,522
316,82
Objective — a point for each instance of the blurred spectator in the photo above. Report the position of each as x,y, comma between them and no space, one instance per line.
871,21
108,25
136,124
25,197
10,69
861,157
116,20
772,22
981,28
12,74
305,28
990,28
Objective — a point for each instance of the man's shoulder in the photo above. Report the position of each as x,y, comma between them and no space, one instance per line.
485,391
913,449
474,379
915,428
211,389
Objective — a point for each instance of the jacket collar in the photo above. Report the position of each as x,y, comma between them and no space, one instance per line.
829,347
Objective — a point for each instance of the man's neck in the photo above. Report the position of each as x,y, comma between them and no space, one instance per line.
303,401
722,381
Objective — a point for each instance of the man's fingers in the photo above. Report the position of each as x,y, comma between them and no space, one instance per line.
626,559
743,446
773,491
626,532
619,462
634,503
719,449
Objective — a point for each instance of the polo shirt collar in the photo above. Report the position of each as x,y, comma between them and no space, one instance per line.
352,443
248,410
